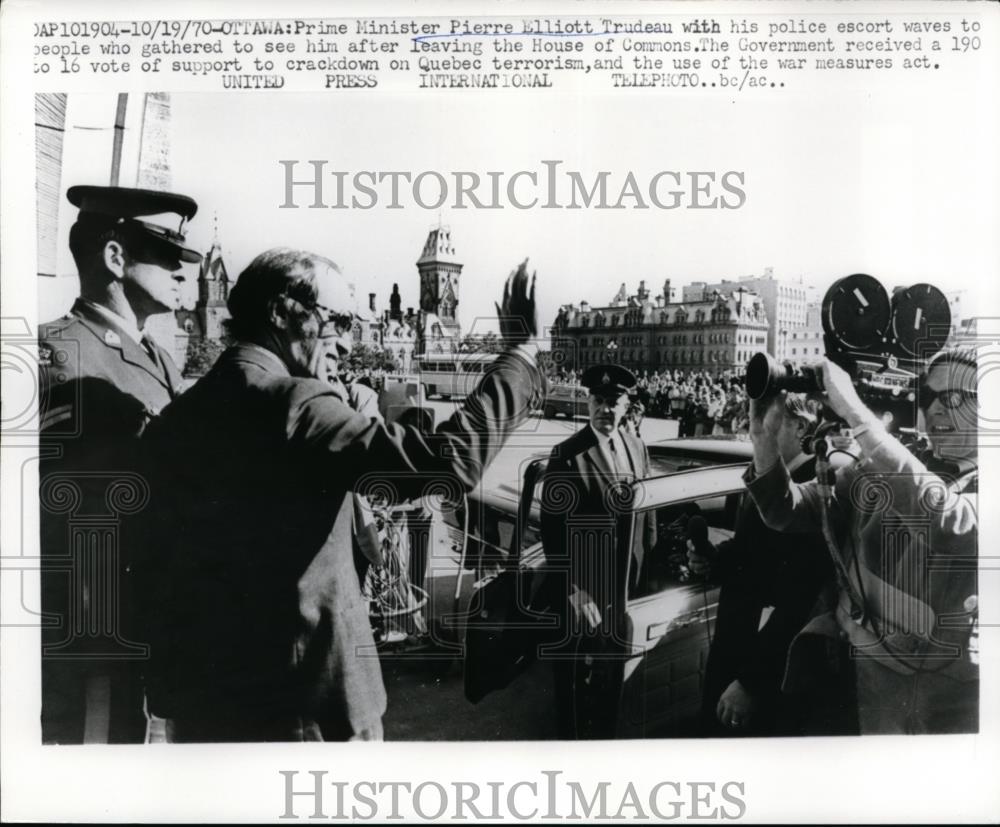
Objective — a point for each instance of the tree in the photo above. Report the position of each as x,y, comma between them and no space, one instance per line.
201,355
366,357
481,343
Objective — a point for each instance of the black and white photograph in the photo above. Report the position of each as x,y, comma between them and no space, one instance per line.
587,407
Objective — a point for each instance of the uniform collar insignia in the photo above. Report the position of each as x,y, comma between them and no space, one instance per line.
112,338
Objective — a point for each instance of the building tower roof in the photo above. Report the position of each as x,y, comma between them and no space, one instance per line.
438,247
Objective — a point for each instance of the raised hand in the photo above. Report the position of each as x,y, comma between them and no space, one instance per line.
517,312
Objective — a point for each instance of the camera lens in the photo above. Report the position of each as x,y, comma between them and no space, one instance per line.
766,375
760,375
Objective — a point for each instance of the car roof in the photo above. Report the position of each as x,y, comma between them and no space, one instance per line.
692,483
722,446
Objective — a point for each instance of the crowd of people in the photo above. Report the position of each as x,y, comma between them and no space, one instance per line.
703,403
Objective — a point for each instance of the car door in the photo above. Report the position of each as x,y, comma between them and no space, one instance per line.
670,612
503,624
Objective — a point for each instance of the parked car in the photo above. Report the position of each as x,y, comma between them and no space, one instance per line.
682,453
669,611
569,400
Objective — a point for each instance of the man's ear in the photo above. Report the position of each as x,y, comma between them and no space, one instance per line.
801,428
113,256
277,313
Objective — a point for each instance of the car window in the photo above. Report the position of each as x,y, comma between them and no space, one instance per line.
660,464
661,537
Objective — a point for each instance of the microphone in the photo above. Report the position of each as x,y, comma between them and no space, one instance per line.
697,532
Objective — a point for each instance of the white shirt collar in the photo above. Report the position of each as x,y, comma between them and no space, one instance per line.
604,439
118,321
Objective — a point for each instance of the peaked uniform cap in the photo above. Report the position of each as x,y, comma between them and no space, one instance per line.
156,215
608,380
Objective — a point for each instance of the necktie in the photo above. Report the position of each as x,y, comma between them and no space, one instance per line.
151,351
619,464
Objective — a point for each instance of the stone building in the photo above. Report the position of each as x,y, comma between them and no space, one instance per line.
440,271
399,332
803,345
714,334
784,301
202,328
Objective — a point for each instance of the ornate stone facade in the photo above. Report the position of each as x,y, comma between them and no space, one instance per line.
715,334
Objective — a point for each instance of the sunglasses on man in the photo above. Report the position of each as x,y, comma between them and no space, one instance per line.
949,398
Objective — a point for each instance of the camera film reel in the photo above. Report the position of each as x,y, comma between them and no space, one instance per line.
861,322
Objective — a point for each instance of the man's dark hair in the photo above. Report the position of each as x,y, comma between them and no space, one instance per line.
278,272
955,355
87,238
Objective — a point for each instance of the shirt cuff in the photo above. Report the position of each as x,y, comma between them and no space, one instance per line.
777,475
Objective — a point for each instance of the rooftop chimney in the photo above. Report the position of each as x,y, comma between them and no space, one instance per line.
371,302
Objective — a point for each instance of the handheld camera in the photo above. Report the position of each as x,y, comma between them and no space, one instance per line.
883,343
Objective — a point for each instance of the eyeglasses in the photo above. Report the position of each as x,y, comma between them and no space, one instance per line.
949,398
327,316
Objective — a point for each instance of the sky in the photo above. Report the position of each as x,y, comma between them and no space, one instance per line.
852,181
865,184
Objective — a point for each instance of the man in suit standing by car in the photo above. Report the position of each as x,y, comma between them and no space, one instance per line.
760,568
586,503
258,628
102,380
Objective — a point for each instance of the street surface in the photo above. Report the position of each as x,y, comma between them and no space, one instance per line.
425,688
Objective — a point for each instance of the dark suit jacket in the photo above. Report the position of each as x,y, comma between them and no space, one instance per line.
259,617
98,390
584,509
762,567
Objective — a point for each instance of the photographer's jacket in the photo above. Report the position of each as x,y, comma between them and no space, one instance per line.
259,629
907,538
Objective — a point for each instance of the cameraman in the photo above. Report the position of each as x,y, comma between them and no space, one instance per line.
905,537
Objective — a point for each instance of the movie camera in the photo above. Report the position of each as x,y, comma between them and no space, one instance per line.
883,343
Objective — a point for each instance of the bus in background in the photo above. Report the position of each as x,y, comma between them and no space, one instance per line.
448,375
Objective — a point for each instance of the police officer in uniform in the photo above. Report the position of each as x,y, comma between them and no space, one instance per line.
584,510
102,379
